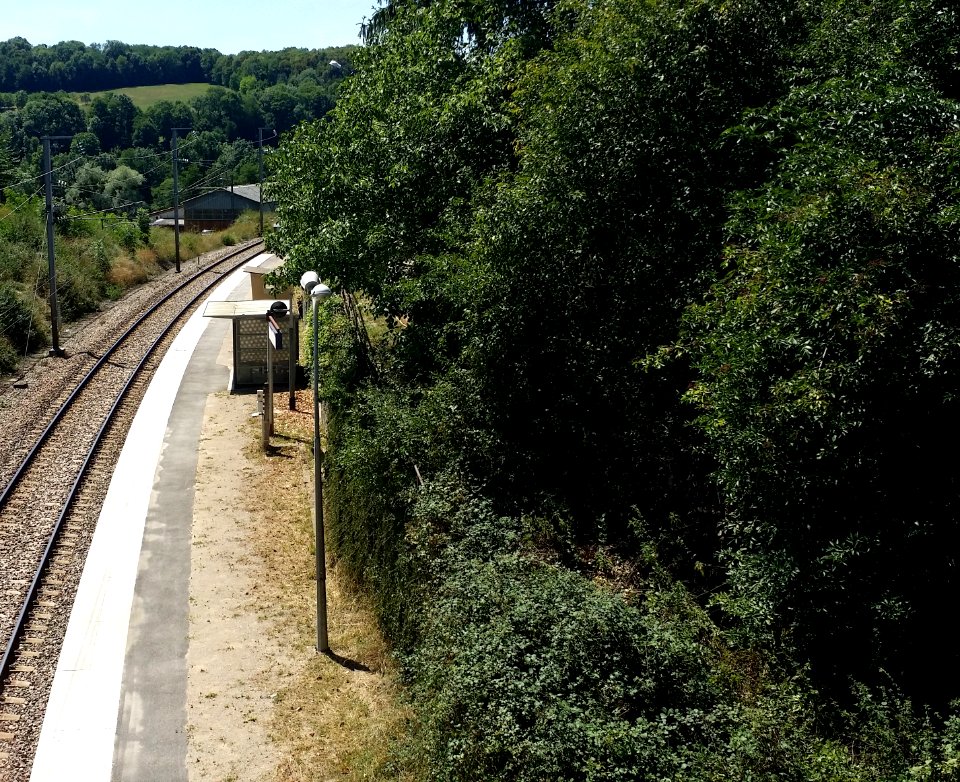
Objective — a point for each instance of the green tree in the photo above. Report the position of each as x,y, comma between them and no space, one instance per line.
167,115
667,282
87,188
154,166
8,168
219,110
85,144
124,187
145,132
111,118
51,115
828,358
282,107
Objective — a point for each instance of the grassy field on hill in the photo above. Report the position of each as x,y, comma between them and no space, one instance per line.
144,97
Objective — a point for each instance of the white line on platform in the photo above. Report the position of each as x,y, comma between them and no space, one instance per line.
77,736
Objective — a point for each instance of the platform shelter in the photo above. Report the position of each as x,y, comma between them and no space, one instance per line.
251,342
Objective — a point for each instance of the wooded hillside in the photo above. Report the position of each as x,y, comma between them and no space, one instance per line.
116,157
114,161
643,448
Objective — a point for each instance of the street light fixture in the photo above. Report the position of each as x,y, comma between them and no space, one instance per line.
316,290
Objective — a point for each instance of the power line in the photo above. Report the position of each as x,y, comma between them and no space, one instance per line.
102,211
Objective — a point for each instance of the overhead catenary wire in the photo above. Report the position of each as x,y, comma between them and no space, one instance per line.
96,214
52,171
200,184
36,292
187,142
4,313
195,187
8,310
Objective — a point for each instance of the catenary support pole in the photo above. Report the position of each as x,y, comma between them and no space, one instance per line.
260,162
176,199
55,349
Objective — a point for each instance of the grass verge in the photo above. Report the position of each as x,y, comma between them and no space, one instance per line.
145,97
342,716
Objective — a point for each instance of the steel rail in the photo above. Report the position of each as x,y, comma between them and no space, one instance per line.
20,625
58,416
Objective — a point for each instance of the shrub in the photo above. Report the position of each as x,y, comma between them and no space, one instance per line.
22,220
827,388
19,262
9,356
162,243
128,235
247,225
81,282
21,327
529,672
127,272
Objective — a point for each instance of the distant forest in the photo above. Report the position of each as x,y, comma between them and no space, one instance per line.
115,156
73,66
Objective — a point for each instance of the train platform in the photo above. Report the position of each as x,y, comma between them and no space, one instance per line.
117,706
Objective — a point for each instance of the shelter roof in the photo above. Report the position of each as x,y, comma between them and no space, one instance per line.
240,309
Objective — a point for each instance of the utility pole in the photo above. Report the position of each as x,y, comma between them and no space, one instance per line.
260,158
176,196
176,202
55,350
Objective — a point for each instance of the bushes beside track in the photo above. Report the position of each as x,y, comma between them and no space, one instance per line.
95,261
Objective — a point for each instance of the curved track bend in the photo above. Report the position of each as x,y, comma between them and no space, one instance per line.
50,503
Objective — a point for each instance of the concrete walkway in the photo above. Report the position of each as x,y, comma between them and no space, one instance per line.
117,708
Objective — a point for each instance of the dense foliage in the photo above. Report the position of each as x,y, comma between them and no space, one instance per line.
96,258
642,446
119,155
827,358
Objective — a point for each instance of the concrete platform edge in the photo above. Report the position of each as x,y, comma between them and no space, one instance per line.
77,736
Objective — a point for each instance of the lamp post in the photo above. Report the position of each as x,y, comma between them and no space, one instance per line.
316,290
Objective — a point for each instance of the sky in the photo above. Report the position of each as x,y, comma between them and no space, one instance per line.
229,26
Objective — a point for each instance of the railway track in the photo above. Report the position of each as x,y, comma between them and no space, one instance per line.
54,481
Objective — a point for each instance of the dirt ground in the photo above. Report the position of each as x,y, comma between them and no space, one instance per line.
261,703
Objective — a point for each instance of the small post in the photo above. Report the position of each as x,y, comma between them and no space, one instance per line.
270,387
275,340
292,349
